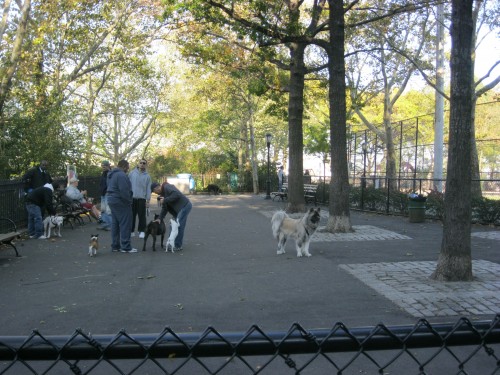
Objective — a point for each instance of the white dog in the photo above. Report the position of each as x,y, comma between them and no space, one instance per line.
52,222
174,224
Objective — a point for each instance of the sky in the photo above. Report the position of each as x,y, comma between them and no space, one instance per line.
486,55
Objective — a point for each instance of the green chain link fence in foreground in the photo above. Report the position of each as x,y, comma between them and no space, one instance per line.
465,347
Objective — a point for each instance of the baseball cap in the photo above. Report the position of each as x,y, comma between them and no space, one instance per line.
105,163
73,179
154,185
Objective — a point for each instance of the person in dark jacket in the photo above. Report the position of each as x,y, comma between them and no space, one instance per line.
119,196
175,203
36,177
37,201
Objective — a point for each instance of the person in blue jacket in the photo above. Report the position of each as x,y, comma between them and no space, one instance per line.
119,197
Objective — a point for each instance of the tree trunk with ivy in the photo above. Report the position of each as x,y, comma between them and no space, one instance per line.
455,263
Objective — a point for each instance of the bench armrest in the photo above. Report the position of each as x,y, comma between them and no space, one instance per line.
7,225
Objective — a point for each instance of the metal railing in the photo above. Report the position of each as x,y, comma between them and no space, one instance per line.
12,195
464,347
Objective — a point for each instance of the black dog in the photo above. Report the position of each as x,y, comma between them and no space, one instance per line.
212,188
154,229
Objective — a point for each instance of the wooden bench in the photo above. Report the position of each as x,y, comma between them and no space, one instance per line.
70,210
283,194
9,233
310,193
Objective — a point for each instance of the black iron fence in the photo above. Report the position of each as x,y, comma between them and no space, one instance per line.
464,347
12,203
367,193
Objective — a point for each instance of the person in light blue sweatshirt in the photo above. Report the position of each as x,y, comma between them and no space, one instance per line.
141,190
119,196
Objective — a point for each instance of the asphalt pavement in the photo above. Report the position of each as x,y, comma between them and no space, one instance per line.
229,277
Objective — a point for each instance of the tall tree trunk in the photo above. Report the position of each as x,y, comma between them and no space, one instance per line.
455,263
296,202
8,73
390,154
253,158
6,80
339,219
439,101
476,176
476,190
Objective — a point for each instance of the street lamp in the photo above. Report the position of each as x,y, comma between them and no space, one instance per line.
268,141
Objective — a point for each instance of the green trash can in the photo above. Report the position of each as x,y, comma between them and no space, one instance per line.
416,211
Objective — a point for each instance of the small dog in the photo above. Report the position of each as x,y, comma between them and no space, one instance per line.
93,245
174,224
52,222
213,189
154,229
299,229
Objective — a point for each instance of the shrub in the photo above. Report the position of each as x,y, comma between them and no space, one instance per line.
486,211
435,204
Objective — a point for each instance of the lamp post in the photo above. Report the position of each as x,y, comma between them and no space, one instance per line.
268,190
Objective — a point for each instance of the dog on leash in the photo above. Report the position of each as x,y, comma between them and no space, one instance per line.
154,229
213,189
50,222
300,230
93,245
174,224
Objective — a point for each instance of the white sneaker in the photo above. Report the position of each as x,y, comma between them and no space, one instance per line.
42,237
128,251
132,234
141,235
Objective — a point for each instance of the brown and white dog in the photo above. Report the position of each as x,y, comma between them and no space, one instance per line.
50,222
93,245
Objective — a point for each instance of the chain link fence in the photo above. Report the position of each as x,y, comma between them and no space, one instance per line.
464,347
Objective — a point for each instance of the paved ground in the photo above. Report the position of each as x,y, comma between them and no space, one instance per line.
229,277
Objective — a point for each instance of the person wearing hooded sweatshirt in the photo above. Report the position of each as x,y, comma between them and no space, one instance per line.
37,201
119,196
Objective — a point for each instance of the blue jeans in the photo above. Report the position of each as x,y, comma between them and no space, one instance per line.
121,225
35,225
182,219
